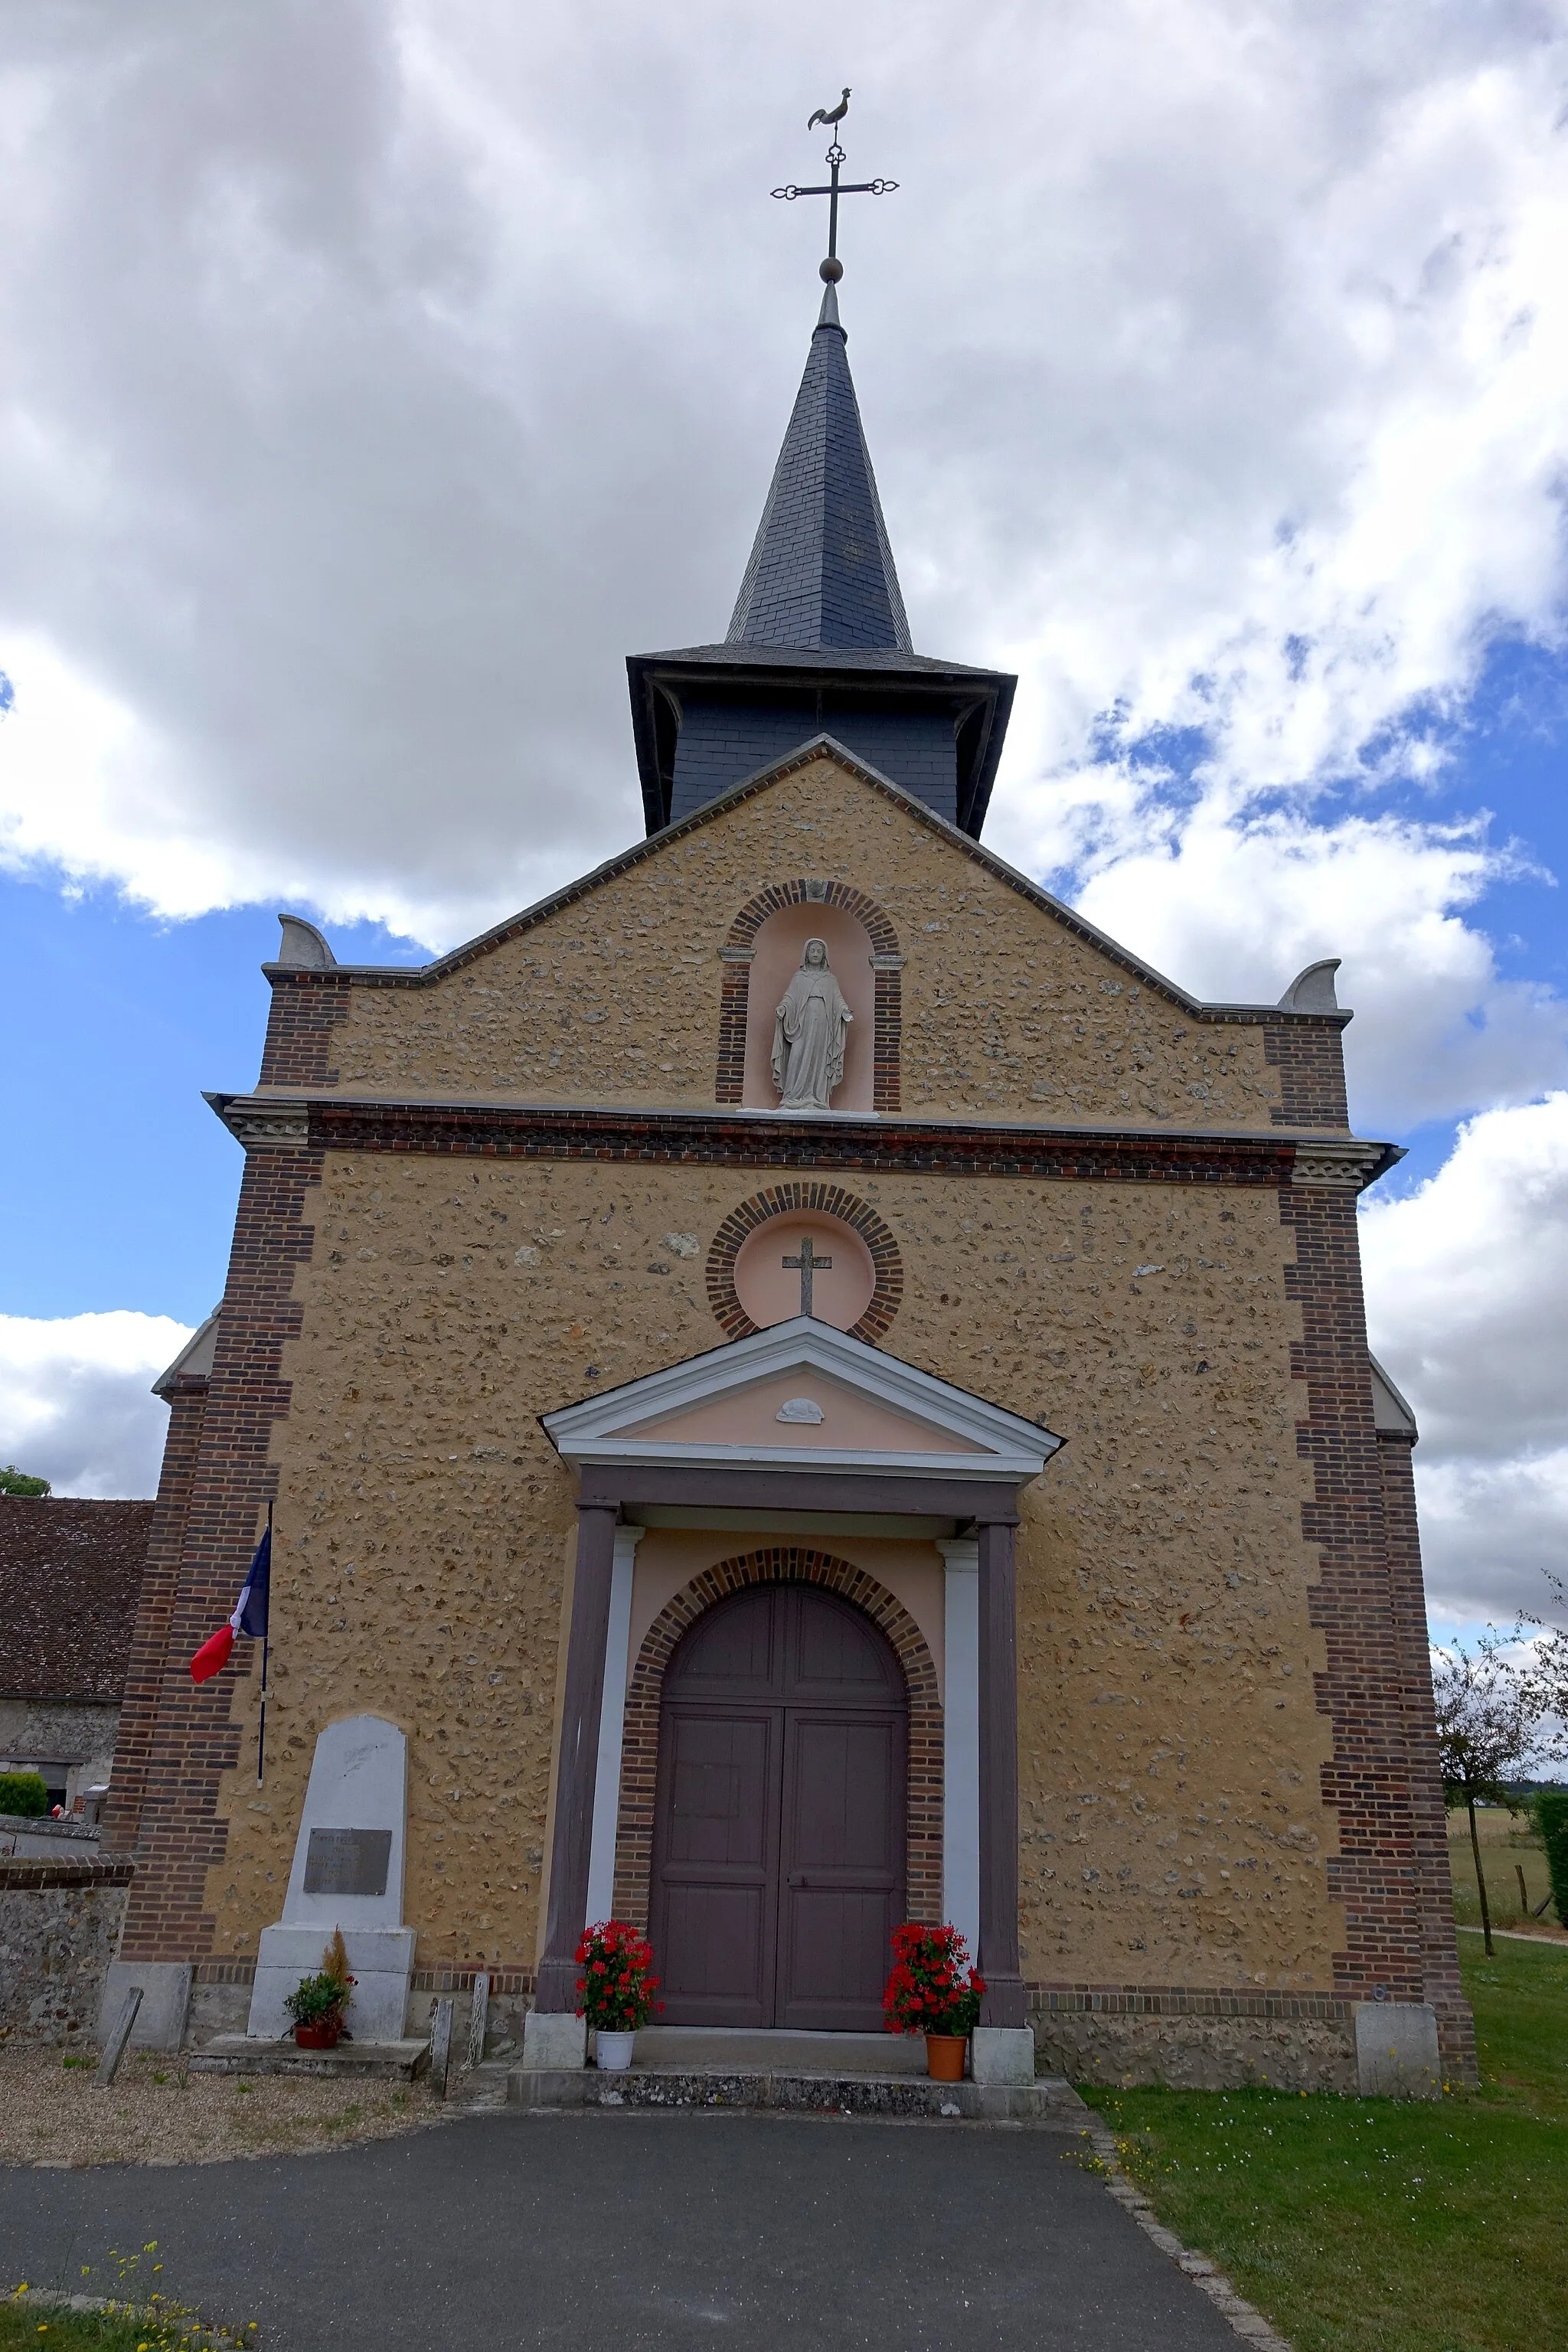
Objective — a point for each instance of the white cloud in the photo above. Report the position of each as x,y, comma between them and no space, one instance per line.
1233,906
379,375
76,1406
1465,1285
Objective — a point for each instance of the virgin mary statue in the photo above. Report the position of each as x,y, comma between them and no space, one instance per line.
809,1035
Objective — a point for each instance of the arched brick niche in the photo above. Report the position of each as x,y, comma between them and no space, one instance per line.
739,953
779,1564
817,1199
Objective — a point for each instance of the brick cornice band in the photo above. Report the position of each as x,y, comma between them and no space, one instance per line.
758,1139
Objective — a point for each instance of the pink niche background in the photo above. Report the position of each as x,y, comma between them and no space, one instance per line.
771,1295
781,942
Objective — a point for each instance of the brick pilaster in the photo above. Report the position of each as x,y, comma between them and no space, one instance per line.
1440,1956
149,1648
1378,1873
192,1742
307,1006
1310,1056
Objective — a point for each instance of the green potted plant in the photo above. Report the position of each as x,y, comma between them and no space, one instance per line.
933,1990
617,1988
318,2004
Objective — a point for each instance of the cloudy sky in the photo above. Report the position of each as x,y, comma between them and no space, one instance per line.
376,377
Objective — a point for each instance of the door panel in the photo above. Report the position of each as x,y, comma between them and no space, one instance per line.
732,1649
833,1960
836,1652
715,1910
778,1858
841,1861
719,1776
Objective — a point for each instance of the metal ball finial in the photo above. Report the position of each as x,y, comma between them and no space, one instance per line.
830,272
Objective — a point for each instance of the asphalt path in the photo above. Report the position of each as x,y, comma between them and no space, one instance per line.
636,2230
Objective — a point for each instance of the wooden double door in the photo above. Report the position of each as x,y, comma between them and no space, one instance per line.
778,1861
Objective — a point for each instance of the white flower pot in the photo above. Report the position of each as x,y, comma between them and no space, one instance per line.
613,2052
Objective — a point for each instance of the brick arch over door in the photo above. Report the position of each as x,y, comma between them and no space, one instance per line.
828,1200
780,1564
736,988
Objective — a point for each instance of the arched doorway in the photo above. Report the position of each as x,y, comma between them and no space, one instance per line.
779,1838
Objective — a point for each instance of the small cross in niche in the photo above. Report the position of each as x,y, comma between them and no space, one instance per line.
806,1265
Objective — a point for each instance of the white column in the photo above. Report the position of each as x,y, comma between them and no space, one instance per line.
961,1742
612,1719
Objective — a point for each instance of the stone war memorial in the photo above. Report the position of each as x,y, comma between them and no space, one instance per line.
800,1388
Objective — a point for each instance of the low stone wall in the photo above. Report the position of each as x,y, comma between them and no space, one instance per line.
60,1924
220,2003
1193,2045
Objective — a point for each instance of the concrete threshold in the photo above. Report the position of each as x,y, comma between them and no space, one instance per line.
351,2062
1048,2100
690,2049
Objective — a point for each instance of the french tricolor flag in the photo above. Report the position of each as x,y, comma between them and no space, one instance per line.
250,1616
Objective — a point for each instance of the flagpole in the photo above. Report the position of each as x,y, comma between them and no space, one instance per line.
262,1727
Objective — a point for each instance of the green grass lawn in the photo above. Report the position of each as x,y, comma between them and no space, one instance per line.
1375,2225
30,2326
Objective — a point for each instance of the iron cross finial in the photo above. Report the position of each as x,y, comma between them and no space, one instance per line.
805,1266
832,269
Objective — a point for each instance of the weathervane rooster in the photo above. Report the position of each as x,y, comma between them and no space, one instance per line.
830,115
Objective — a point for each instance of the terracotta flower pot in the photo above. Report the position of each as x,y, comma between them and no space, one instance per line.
323,2035
945,2057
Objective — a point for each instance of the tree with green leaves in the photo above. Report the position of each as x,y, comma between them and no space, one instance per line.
1488,1715
17,1482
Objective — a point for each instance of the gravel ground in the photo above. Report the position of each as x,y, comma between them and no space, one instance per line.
54,2113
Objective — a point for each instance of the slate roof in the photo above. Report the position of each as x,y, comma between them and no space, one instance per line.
70,1576
821,570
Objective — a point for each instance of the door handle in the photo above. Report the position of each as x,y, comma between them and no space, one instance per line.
797,1878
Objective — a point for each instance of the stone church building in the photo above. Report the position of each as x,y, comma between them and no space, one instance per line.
800,1387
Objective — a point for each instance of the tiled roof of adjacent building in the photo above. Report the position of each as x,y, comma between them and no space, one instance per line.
70,1572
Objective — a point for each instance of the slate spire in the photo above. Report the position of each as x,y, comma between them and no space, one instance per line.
821,572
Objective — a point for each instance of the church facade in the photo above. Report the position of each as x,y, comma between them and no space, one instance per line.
800,1387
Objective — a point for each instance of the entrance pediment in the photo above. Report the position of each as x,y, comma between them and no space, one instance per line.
801,1394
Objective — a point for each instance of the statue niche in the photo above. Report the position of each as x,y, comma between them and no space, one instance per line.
809,1035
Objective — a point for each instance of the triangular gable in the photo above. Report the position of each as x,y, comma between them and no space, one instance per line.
753,1402
819,745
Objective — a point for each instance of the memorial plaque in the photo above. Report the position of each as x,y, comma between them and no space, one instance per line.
348,1862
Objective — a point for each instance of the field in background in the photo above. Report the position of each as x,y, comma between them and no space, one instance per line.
1507,1842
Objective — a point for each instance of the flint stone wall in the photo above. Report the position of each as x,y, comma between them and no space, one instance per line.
59,1925
1199,2053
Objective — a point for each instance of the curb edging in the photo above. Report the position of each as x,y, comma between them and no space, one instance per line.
1238,2314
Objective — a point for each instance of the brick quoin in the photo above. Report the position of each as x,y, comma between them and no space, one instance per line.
1455,2026
182,1730
780,1564
149,1643
1382,1874
1310,1061
306,1008
735,990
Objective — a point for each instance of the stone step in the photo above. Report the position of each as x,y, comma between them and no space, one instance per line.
1048,2100
358,2062
690,2049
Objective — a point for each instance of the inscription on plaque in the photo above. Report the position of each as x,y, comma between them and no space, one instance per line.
348,1862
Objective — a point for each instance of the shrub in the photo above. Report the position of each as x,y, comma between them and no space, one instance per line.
932,1989
17,1482
1551,1810
616,1986
317,1999
22,1792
